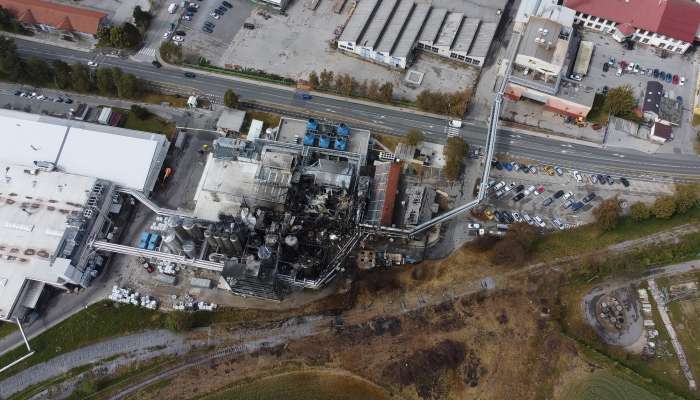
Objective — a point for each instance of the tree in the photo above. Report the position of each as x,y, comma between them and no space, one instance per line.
664,207
620,102
386,92
104,80
313,80
141,18
140,112
179,321
230,99
413,137
607,214
8,22
61,74
10,64
518,244
454,152
170,52
639,212
38,72
128,86
373,90
80,78
326,79
686,197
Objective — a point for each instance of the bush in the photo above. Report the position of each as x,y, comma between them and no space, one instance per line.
686,197
607,214
454,104
454,152
230,99
517,246
413,137
170,52
140,112
639,212
664,207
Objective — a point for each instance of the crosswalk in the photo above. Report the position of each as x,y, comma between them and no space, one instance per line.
147,51
452,131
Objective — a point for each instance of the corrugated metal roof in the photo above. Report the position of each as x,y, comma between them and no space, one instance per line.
379,21
466,34
483,39
411,30
433,24
449,30
358,21
395,26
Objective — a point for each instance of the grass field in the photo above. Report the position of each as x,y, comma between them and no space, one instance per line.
588,238
6,328
387,140
305,385
604,385
153,124
97,322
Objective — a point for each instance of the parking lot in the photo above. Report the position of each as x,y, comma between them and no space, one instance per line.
211,44
533,203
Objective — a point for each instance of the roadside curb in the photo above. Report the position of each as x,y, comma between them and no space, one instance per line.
46,42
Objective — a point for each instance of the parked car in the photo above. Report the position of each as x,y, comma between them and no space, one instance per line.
539,221
518,197
529,190
508,166
558,194
527,218
679,100
588,198
682,82
609,179
248,25
517,217
500,193
656,73
577,176
577,206
559,171
548,201
594,179
499,166
190,75
227,4
625,182
539,190
69,101
606,67
675,79
618,72
519,188
215,15
669,78
92,64
558,223
662,75
533,169
207,29
166,35
18,92
601,179
156,63
177,38
567,204
473,226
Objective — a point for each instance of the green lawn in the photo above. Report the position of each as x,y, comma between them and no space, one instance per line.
589,238
97,322
153,124
604,385
6,328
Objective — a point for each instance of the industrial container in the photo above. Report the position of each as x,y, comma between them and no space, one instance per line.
341,144
324,142
169,279
154,241
145,238
200,282
343,130
309,139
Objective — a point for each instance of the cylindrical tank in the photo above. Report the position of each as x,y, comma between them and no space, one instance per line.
209,237
174,226
236,244
217,257
219,242
226,242
172,243
189,249
193,230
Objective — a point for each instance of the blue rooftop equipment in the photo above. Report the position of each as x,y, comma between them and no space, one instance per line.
341,144
312,125
145,238
309,139
343,130
324,142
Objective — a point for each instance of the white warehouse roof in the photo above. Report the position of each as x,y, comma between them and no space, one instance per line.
126,157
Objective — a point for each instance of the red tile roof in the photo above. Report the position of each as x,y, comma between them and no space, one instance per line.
59,16
392,186
678,19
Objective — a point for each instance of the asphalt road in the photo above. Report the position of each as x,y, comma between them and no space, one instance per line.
396,121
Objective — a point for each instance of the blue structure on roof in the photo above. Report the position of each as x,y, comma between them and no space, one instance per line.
341,144
309,139
326,136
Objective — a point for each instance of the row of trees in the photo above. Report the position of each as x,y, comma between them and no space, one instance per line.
686,197
125,36
9,23
348,86
454,104
59,74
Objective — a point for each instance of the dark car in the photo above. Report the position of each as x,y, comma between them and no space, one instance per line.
248,25
508,217
609,179
189,75
192,10
588,198
518,197
601,179
209,24
656,72
207,29
69,101
577,206
227,4
625,182
18,92
605,90
181,33
558,194
189,14
679,100
519,188
662,75
548,201
221,9
499,166
669,78
306,96
156,63
606,67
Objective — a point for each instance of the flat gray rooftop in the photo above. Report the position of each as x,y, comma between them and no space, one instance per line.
409,36
536,43
395,26
485,10
290,129
433,24
483,39
449,30
378,22
466,35
358,21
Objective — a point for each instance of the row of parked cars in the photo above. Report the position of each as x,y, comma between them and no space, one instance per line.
36,96
510,217
635,68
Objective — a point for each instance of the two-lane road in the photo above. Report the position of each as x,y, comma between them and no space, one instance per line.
396,121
